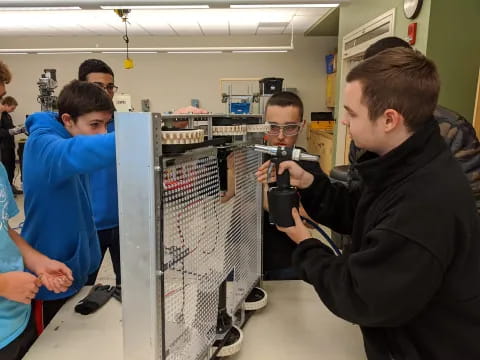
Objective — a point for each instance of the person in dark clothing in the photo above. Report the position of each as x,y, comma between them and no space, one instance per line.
103,183
457,132
7,141
284,113
411,278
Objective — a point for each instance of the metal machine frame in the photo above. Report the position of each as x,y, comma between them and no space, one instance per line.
143,212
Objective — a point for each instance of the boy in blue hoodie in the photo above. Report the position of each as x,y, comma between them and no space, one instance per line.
61,151
103,182
17,287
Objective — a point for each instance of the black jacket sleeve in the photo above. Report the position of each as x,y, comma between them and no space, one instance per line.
330,204
385,285
3,128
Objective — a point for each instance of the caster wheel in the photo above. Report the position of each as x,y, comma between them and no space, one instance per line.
232,344
256,300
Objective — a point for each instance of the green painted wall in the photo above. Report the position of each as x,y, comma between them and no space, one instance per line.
454,44
357,13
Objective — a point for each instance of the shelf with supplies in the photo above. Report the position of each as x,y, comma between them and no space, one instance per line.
248,95
331,69
330,90
320,142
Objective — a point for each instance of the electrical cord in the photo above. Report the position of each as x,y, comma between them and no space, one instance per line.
324,234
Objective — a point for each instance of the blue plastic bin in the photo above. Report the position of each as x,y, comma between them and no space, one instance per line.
330,63
240,108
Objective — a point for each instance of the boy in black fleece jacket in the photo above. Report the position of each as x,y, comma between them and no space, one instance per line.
457,132
411,279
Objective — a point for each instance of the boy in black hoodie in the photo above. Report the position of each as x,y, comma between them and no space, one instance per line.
7,141
411,279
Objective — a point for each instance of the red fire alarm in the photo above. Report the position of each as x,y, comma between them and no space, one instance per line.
412,33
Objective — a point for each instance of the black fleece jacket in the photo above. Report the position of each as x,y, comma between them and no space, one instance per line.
412,277
7,141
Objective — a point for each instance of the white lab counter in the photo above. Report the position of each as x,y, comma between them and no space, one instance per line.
294,325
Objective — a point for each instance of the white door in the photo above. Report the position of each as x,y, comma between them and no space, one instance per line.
343,137
354,45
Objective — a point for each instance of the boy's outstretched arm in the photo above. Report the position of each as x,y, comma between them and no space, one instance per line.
54,275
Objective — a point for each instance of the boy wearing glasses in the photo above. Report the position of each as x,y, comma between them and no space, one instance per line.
103,183
284,114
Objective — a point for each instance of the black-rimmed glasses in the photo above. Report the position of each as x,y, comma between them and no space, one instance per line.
110,87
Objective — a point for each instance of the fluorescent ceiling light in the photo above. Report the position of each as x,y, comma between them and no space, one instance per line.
185,50
64,52
194,52
130,52
259,51
51,8
138,7
255,6
15,53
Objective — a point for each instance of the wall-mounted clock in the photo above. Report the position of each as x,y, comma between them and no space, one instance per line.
411,8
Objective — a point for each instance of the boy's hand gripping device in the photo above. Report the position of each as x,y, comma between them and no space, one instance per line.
283,197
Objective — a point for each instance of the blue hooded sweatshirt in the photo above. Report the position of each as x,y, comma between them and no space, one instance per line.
103,184
58,213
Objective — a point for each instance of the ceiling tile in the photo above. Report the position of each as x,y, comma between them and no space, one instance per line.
215,29
182,28
156,22
243,29
269,31
300,24
316,12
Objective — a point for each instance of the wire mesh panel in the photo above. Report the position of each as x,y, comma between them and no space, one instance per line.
192,265
203,241
243,247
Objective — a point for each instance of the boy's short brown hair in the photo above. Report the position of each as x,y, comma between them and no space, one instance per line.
284,99
9,101
5,74
401,79
80,97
